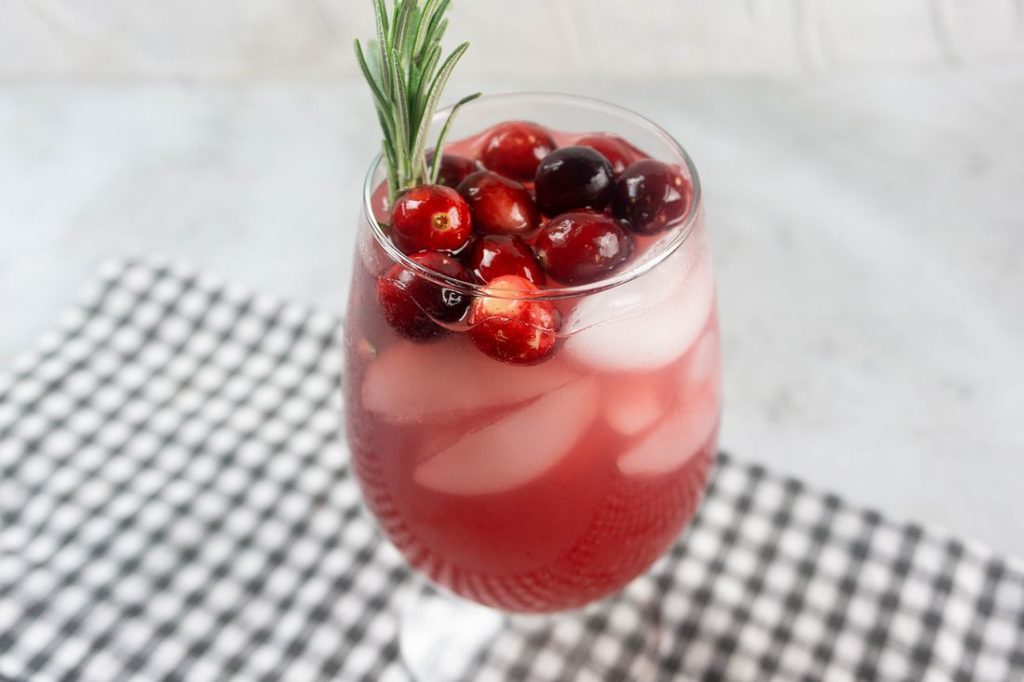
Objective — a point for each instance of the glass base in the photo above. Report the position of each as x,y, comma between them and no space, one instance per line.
443,637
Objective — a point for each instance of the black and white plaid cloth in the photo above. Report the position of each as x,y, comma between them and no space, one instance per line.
175,504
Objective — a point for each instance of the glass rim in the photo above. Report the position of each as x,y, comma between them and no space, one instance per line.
682,229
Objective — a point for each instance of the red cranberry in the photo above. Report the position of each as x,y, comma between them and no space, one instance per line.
497,255
572,178
430,218
515,148
612,147
453,170
411,303
498,205
514,328
582,246
650,196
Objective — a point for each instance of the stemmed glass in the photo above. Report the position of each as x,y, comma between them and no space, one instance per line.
539,489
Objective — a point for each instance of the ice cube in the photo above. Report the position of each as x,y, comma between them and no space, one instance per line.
447,380
632,405
648,322
701,362
676,440
516,450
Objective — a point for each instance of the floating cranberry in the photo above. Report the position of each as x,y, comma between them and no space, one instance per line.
650,196
572,178
512,327
430,218
454,169
498,205
515,148
494,256
411,303
612,147
582,246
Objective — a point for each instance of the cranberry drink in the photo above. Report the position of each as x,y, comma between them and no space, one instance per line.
532,375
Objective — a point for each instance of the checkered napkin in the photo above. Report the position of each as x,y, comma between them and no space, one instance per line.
175,504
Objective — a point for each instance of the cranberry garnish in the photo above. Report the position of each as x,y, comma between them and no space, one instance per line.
453,170
517,329
651,195
498,205
572,178
612,147
430,218
496,255
582,246
411,303
515,148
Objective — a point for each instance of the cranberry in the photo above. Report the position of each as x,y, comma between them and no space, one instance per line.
498,205
496,255
515,329
411,303
572,178
453,170
612,147
430,218
651,195
582,246
515,148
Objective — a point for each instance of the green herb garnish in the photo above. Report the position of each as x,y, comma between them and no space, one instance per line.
405,72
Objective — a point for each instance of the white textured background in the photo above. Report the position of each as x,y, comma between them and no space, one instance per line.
863,163
227,39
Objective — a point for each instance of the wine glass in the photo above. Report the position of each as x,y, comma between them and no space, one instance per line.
538,488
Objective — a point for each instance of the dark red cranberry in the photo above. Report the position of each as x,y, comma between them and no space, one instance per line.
515,148
612,147
582,246
496,255
512,328
498,205
572,178
430,218
411,303
453,170
650,196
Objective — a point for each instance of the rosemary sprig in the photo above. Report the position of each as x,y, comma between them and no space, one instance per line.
406,74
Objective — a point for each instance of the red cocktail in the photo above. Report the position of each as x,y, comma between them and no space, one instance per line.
533,404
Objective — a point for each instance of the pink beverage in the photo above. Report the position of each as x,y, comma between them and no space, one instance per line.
542,484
